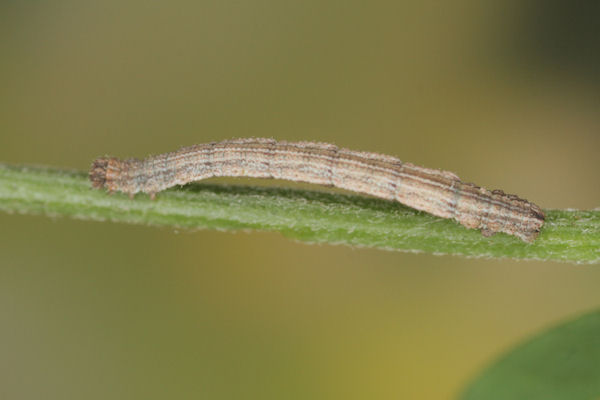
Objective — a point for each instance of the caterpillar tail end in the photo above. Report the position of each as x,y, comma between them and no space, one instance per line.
98,172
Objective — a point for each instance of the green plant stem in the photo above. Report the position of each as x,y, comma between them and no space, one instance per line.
310,216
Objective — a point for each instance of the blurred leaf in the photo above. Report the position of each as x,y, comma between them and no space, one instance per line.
561,363
568,235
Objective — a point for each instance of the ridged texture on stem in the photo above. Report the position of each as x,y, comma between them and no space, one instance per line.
568,235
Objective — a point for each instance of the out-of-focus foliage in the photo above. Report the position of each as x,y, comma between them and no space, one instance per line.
562,363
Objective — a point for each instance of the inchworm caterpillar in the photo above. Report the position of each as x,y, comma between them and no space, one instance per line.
440,193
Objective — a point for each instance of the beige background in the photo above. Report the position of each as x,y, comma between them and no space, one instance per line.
503,94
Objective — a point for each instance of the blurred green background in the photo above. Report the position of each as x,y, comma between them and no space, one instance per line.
505,94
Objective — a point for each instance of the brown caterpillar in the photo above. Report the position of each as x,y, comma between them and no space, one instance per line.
440,193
